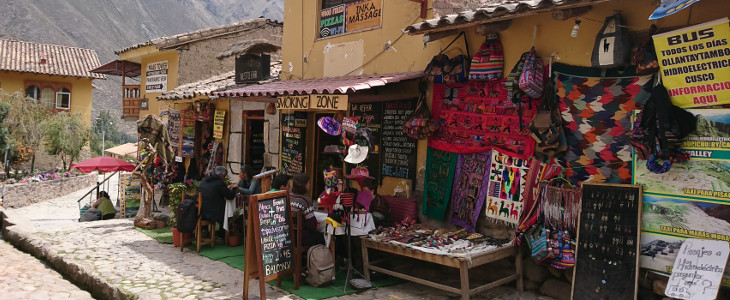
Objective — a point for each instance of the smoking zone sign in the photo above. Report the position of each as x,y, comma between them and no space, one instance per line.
695,63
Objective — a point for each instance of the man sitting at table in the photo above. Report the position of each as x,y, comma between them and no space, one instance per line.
215,193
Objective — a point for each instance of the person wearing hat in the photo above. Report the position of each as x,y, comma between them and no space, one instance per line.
215,193
246,184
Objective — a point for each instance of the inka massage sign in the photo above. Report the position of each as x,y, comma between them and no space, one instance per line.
695,63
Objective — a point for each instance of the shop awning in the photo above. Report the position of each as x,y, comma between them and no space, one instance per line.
503,10
122,150
115,68
333,85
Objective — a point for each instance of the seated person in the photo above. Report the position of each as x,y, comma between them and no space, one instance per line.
378,207
299,201
246,184
215,193
280,183
105,205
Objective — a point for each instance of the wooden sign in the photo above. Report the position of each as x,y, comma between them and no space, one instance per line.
607,247
219,119
398,156
252,68
363,15
314,101
269,248
293,142
698,269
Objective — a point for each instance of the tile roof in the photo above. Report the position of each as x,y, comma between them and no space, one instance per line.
255,46
333,85
508,9
20,56
205,33
207,86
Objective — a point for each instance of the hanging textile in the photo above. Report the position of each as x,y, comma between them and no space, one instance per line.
440,168
151,129
187,119
173,127
470,189
596,112
507,178
477,116
560,206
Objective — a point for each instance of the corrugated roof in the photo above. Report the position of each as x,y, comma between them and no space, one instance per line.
333,85
494,12
205,33
207,86
20,56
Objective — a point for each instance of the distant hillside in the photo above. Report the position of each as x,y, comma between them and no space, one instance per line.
109,25
707,127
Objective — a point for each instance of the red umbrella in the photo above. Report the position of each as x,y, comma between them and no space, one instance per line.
104,164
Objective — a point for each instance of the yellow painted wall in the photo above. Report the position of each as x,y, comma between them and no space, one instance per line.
81,89
307,55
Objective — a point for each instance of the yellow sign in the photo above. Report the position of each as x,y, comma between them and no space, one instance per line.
315,102
363,15
218,120
695,63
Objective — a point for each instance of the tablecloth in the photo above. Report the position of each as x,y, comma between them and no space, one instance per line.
361,224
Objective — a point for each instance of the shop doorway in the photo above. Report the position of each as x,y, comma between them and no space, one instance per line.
326,159
253,144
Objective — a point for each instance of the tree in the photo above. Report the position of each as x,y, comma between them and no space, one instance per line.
66,135
24,124
105,126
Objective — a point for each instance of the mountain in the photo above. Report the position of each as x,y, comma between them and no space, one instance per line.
109,25
706,127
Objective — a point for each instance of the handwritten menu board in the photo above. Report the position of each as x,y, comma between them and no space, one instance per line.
269,248
398,156
370,115
607,247
698,269
293,142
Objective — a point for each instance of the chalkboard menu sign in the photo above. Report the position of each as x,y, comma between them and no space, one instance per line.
398,156
269,248
370,115
293,142
607,247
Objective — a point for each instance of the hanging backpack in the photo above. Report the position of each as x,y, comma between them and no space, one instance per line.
488,62
320,266
187,215
645,56
613,46
532,78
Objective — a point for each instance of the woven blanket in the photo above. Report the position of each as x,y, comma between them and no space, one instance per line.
470,189
440,168
477,117
507,178
596,114
154,131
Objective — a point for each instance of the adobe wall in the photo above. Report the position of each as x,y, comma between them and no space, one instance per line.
24,194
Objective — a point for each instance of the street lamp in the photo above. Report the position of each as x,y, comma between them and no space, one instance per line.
103,134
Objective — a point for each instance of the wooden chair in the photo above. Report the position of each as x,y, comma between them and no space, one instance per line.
198,233
300,251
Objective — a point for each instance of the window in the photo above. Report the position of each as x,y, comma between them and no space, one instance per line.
33,92
47,95
63,99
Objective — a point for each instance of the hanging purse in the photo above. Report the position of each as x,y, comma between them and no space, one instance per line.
645,56
532,78
488,62
445,70
420,125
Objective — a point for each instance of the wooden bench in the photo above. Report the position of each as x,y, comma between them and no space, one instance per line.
455,262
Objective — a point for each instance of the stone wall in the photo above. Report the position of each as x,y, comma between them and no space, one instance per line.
24,194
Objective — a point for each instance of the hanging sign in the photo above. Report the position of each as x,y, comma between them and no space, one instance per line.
332,21
173,128
293,142
398,158
269,248
218,120
156,77
363,15
187,148
698,270
695,63
314,101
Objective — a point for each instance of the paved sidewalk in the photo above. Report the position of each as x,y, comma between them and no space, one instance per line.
112,260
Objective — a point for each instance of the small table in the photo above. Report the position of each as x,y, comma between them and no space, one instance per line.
455,262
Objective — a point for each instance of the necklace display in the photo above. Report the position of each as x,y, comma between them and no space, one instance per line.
608,239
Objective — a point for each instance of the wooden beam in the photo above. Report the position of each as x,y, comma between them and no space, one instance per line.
489,28
569,13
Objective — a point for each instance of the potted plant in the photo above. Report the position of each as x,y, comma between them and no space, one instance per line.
235,227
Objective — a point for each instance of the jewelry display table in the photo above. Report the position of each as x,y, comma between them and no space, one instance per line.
463,263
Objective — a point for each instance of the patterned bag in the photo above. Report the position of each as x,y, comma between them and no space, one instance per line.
540,247
443,69
612,48
487,64
645,56
532,78
513,79
420,125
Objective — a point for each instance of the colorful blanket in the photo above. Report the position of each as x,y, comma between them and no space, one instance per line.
477,117
187,120
596,115
440,168
470,189
507,178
